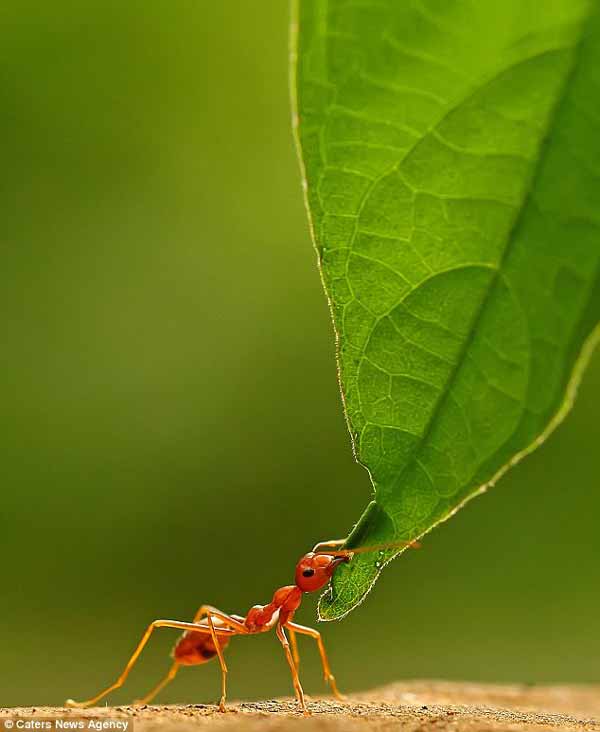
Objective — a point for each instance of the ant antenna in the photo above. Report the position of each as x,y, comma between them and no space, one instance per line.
374,548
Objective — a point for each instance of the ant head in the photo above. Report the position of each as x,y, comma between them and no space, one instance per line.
315,570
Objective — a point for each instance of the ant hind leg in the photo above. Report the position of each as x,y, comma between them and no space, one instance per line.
177,624
202,612
172,673
221,662
235,622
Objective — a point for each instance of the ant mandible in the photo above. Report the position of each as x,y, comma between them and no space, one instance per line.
207,636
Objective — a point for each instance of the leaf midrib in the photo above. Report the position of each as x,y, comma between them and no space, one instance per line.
535,171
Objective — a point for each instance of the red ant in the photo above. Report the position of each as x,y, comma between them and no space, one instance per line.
211,630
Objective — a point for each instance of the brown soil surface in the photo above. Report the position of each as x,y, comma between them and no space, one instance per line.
419,705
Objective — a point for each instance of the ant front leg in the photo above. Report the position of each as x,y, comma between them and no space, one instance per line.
177,624
331,544
329,677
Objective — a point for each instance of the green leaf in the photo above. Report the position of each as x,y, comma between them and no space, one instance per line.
451,151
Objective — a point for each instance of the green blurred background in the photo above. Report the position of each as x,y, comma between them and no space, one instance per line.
171,426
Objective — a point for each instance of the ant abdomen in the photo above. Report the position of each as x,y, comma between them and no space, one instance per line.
195,647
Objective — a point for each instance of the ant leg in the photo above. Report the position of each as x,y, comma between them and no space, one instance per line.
161,685
290,659
331,544
236,623
233,621
202,611
177,624
294,645
329,677
221,661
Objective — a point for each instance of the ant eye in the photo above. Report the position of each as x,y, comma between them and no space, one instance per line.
308,572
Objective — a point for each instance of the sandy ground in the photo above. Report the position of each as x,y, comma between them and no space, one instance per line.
418,705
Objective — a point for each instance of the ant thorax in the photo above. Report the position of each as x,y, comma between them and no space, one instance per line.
284,604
